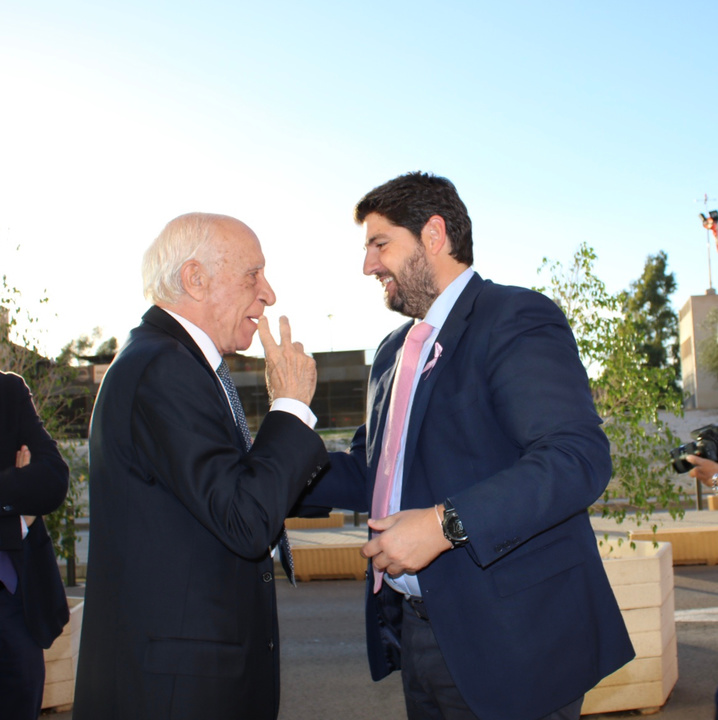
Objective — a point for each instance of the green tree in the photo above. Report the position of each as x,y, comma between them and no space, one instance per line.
648,303
628,391
88,347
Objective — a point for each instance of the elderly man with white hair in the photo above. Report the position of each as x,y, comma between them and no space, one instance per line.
180,617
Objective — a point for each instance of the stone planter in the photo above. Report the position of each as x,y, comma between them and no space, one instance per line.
61,661
328,553
338,562
642,581
696,545
335,519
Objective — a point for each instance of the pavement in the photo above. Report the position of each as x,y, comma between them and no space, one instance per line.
325,672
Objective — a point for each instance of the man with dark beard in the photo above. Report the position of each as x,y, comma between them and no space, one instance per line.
480,454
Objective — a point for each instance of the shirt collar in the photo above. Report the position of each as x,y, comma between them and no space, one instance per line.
200,337
442,306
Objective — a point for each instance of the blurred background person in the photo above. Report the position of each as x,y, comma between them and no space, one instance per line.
33,604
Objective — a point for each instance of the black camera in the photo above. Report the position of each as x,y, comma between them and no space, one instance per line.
705,445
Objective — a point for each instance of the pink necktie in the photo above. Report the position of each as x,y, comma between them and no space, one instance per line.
398,406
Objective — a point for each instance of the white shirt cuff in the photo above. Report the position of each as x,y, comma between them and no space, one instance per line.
296,408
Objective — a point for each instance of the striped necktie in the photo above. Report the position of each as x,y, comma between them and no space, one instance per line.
8,576
285,550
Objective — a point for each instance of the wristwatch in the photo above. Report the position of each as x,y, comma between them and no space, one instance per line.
453,527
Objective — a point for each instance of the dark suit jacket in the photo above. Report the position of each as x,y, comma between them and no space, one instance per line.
504,425
180,612
37,489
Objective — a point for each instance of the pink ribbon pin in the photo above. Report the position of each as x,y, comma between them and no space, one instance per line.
437,354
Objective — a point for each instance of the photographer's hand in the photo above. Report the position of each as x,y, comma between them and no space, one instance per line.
704,470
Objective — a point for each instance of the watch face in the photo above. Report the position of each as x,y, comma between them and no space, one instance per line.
456,528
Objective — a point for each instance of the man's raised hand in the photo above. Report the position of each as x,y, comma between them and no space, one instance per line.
291,373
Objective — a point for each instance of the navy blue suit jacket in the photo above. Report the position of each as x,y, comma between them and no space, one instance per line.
504,425
36,489
180,613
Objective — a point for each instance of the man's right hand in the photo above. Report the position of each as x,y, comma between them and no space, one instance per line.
291,373
22,459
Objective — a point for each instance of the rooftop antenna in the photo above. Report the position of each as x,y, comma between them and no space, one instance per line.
330,317
710,223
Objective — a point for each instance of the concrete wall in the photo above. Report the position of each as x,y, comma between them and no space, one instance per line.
700,386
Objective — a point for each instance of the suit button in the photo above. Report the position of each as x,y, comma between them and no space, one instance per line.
271,644
8,508
267,577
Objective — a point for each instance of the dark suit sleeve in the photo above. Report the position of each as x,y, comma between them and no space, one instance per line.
40,487
345,484
182,434
539,394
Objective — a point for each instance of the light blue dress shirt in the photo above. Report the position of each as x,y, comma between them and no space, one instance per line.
408,584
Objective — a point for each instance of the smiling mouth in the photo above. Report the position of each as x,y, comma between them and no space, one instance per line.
385,280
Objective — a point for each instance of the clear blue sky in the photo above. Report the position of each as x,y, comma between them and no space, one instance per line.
559,122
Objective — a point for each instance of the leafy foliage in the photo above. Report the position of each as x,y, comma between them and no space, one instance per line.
86,348
648,304
628,390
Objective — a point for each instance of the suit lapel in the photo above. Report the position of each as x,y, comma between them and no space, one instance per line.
157,317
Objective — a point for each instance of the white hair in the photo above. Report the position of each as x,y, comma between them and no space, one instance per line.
187,237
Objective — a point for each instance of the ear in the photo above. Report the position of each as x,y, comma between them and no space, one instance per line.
433,235
194,279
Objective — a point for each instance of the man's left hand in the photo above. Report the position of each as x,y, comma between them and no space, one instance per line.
407,541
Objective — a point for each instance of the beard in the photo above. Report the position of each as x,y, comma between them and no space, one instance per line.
415,287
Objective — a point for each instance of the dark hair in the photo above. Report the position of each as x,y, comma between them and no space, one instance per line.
410,200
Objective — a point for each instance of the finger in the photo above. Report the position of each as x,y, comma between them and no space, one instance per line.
382,523
298,347
285,330
369,549
22,457
265,336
